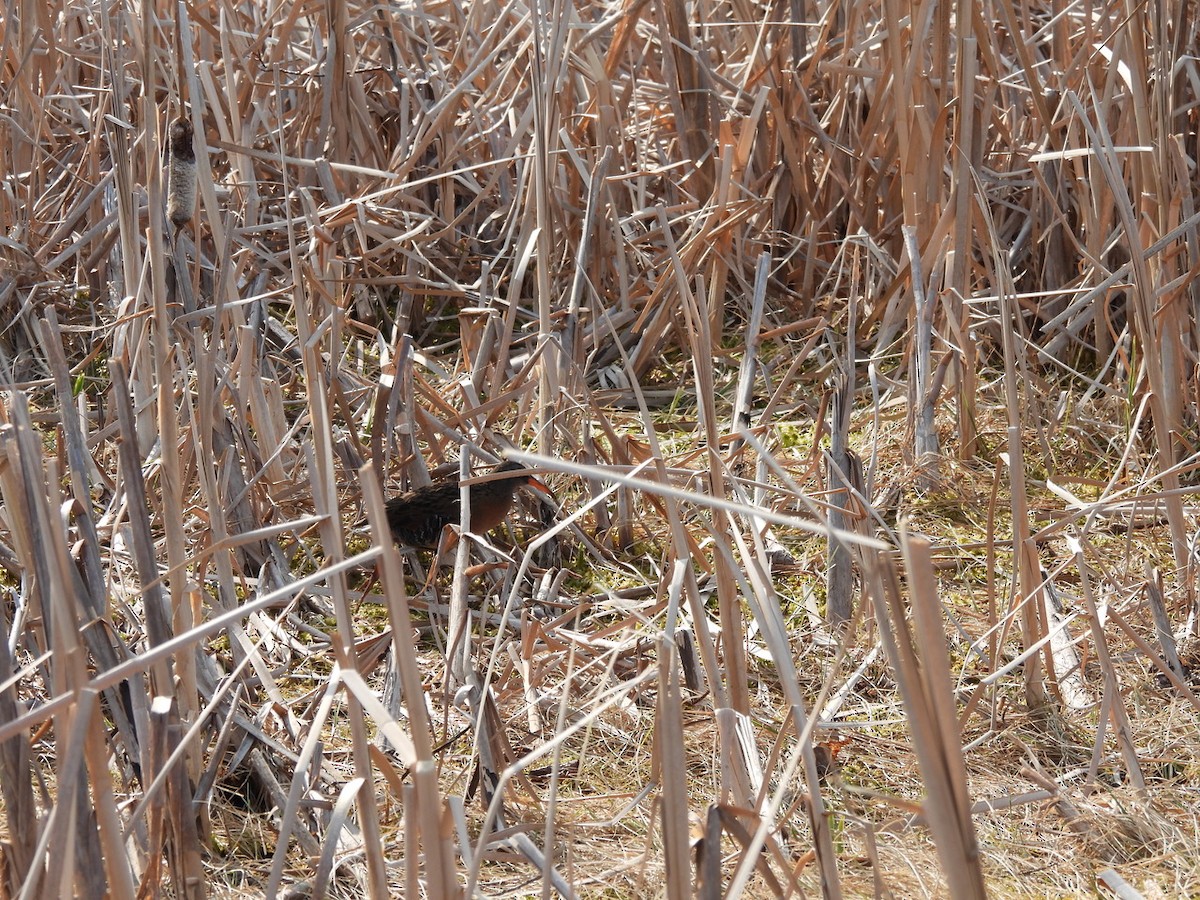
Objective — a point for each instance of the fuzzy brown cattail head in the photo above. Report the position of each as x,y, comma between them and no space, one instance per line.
181,173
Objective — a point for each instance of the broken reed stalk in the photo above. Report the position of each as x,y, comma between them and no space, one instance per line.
698,334
671,768
932,718
31,489
309,311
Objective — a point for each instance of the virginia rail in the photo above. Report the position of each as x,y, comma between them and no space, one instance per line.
418,517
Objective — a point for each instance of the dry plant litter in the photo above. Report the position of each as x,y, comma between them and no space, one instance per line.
857,340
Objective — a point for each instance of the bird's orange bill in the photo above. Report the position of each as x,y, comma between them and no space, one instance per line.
529,480
538,485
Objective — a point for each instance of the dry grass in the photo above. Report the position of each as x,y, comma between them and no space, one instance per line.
858,342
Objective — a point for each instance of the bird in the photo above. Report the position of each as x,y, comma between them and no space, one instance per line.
418,517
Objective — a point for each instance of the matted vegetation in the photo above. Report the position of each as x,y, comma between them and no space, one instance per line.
858,342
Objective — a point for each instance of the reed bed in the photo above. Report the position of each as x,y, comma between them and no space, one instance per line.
857,340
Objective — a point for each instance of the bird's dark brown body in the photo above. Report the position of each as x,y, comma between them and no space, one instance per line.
418,517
